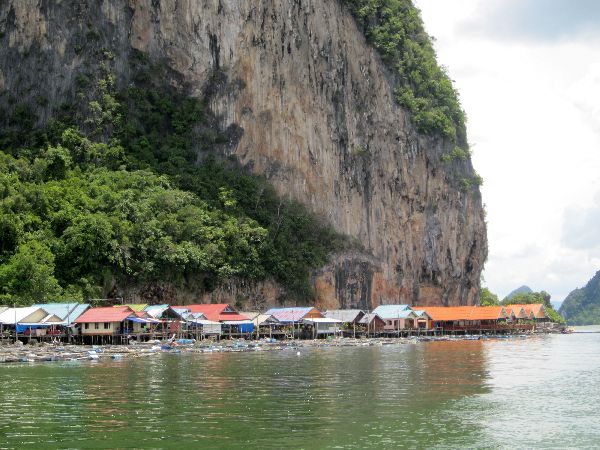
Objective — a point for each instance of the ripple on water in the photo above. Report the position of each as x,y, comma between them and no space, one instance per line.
539,392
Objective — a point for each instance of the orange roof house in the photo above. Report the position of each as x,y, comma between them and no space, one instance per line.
464,313
535,311
517,312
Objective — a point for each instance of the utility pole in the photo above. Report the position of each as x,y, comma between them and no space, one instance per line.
16,331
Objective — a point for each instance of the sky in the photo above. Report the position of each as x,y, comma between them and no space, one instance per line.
528,75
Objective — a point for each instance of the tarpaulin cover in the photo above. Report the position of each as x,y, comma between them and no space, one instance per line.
22,327
138,319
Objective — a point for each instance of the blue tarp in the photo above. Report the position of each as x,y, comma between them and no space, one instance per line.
137,319
246,328
22,328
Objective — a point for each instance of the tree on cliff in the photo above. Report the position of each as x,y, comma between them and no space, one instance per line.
487,298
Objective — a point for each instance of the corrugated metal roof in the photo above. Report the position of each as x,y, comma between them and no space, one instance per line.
322,320
387,312
345,315
369,318
77,312
197,316
156,310
293,314
421,314
67,312
53,319
108,314
259,319
8,316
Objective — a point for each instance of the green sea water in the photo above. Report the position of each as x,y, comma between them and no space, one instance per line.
541,392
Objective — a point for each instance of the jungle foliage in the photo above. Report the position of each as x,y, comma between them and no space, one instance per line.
111,193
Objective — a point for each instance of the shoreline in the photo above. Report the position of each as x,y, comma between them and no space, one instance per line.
44,352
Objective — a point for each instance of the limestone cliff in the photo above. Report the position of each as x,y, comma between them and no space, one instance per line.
311,107
582,305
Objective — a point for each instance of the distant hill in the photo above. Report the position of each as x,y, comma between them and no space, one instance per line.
582,306
519,290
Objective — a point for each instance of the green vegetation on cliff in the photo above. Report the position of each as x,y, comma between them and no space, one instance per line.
582,305
488,298
395,29
108,194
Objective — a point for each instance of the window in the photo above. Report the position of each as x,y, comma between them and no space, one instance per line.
96,326
87,326
106,325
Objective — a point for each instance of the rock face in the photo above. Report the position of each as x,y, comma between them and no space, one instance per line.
314,109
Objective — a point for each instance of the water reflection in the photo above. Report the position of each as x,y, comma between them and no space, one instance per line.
438,394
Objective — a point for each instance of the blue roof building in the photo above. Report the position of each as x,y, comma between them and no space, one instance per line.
393,311
67,312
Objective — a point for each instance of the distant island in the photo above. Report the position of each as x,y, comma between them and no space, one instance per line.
523,295
517,291
582,305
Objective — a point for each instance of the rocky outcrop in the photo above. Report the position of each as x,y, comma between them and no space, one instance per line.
313,110
582,305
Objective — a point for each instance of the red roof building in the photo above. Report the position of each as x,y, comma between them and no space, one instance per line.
109,314
105,321
219,312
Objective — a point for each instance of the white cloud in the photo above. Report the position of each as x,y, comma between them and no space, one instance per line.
533,105
581,227
533,20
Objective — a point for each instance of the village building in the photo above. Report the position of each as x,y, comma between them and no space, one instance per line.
322,326
397,317
350,319
294,314
103,322
347,316
423,320
467,318
183,321
66,313
156,311
264,324
373,323
534,311
232,322
28,321
292,317
142,323
516,313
